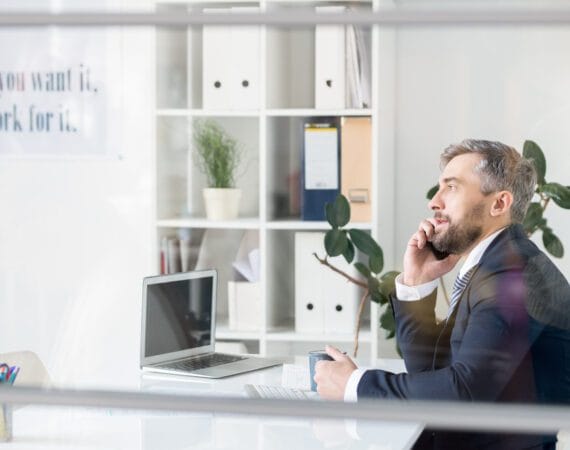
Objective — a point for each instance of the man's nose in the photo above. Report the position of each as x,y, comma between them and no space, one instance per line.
435,203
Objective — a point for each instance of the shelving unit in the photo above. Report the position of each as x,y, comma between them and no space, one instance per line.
270,138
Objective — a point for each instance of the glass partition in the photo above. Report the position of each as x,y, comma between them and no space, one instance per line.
119,124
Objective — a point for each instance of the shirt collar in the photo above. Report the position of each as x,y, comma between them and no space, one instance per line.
475,255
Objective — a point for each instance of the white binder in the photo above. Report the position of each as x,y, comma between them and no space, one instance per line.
330,64
325,302
309,307
230,63
215,56
245,58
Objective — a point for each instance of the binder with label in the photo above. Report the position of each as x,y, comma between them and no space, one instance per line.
330,64
321,174
356,172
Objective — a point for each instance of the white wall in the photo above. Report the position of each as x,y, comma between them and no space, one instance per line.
507,84
75,242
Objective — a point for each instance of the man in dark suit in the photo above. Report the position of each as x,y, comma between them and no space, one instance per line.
506,337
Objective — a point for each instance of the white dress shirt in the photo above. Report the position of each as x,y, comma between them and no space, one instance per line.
413,293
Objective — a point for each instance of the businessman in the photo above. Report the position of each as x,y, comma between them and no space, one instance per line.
506,337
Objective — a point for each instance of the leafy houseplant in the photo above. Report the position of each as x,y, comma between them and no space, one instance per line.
340,241
559,194
218,157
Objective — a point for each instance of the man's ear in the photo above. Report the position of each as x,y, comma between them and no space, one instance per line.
502,203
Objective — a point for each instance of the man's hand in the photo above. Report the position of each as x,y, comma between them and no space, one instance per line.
331,376
420,264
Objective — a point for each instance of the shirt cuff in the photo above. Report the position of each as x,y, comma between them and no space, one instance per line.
351,389
411,293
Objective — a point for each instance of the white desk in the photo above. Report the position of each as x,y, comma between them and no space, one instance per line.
82,428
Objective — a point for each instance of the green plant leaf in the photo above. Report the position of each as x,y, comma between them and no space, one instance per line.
532,151
338,212
349,252
215,153
329,214
558,193
432,191
387,322
388,282
378,297
377,262
532,218
373,283
335,242
365,271
389,276
364,242
552,244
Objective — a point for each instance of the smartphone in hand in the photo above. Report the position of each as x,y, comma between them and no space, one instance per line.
438,254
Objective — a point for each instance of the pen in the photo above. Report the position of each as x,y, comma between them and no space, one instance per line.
13,374
3,369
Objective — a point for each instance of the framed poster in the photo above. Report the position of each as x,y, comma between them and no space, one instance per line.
60,92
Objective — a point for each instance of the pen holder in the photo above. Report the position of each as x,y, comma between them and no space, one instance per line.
5,423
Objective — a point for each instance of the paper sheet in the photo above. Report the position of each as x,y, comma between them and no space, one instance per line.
295,376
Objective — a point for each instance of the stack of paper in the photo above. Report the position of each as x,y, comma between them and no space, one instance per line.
357,69
247,261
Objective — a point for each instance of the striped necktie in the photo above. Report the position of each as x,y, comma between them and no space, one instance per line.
458,287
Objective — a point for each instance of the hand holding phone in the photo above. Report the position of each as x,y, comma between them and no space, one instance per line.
439,255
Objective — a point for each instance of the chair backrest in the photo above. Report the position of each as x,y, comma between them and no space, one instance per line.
32,370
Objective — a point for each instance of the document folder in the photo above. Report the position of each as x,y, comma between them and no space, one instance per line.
215,57
324,301
330,64
320,180
231,56
356,166
245,56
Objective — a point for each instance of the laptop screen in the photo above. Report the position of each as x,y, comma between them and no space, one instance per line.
178,315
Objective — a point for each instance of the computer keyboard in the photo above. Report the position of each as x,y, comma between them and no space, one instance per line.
211,360
280,392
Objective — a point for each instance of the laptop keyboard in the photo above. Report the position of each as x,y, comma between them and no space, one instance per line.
203,362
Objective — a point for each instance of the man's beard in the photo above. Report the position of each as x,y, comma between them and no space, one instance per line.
459,237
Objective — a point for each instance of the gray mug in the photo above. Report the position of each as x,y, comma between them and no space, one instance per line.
314,356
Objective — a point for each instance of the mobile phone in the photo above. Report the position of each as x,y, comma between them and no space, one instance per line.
439,255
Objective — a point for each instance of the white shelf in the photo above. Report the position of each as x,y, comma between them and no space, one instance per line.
238,224
180,112
311,225
288,334
281,112
253,223
223,332
271,139
317,112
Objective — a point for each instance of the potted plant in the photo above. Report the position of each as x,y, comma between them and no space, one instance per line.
218,156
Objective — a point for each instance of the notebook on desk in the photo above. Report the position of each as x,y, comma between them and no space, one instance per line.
179,326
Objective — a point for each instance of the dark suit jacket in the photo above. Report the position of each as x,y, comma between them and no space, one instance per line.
508,340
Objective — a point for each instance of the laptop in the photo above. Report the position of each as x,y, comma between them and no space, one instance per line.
179,328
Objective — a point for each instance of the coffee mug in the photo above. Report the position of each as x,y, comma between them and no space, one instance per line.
314,356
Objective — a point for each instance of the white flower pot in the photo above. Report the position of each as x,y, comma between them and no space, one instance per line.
221,203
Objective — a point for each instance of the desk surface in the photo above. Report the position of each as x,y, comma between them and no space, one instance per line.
84,428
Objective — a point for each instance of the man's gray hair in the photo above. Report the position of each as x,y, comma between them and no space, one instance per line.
502,168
